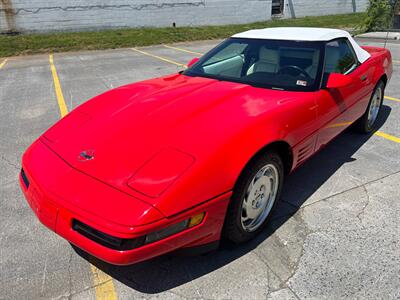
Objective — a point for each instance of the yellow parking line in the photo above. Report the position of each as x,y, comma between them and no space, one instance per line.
338,125
103,284
378,133
160,58
387,136
392,99
183,50
57,87
3,63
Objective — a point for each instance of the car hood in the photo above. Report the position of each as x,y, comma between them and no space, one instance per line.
157,127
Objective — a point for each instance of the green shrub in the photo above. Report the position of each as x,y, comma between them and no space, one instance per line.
380,15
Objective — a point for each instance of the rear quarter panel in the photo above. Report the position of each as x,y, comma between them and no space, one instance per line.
380,61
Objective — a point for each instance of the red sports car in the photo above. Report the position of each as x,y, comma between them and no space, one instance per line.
182,160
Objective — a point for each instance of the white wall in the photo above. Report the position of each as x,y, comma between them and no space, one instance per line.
59,15
302,8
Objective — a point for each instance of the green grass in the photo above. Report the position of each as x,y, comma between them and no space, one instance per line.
120,38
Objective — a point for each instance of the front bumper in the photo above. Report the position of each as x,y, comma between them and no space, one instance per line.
52,205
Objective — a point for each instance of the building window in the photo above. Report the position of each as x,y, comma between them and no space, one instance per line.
277,7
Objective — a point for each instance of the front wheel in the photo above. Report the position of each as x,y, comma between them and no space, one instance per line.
367,122
254,197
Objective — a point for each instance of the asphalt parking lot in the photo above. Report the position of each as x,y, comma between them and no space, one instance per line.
334,235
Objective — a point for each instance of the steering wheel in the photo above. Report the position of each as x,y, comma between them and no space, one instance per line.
296,68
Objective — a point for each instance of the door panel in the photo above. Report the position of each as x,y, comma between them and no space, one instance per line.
334,113
339,108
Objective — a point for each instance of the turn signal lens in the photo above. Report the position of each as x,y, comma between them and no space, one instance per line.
196,220
175,228
166,232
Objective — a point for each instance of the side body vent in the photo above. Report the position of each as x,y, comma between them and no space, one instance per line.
305,151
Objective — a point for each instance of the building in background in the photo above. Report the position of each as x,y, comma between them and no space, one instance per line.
73,15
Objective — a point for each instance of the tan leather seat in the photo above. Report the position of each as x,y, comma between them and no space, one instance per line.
268,62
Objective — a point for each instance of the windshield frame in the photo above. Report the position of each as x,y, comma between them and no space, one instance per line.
320,45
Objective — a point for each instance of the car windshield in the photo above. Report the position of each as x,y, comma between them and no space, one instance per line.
286,65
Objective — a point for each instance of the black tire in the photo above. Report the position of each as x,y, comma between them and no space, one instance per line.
363,125
233,228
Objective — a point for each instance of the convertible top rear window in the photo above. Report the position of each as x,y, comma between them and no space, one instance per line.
286,65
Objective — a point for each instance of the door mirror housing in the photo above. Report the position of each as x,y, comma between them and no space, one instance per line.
337,80
192,62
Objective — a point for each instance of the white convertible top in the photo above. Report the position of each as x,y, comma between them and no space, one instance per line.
304,34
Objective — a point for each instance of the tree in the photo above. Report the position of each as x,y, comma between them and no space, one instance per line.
380,14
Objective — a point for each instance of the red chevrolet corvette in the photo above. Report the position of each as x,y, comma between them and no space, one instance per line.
180,161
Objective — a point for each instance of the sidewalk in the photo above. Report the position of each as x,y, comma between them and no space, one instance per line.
391,35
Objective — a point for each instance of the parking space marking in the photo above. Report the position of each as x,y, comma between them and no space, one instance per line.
104,285
378,133
3,63
57,87
392,99
338,125
160,58
388,136
183,50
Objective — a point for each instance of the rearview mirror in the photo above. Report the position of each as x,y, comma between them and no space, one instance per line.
192,62
337,80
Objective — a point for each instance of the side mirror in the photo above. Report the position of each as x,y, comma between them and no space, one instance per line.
337,80
192,62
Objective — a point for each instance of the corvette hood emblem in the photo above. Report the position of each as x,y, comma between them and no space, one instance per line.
86,155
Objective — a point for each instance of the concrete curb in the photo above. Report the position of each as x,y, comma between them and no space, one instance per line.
381,35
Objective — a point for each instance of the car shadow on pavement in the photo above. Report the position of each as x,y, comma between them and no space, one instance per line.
170,271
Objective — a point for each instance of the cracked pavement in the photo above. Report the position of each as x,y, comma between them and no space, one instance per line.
334,235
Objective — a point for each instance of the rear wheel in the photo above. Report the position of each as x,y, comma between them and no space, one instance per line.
254,197
367,122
